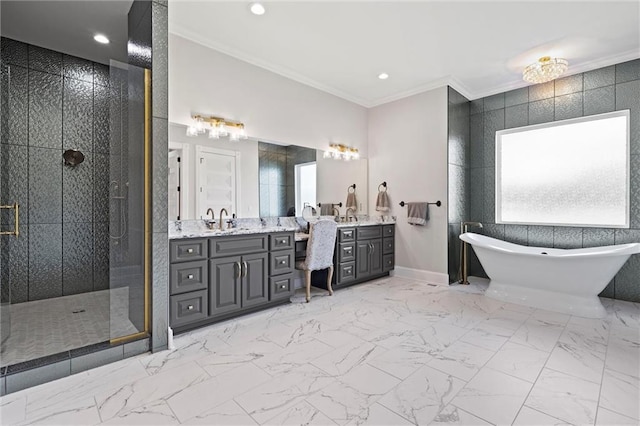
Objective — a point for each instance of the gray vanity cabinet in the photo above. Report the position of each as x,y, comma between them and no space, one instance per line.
255,281
225,285
369,251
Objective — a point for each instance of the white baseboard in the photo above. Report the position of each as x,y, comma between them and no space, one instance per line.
421,275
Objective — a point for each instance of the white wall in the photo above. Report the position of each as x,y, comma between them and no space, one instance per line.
408,150
335,176
273,108
248,183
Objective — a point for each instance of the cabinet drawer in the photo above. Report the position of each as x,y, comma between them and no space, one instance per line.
281,262
346,234
190,249
281,241
388,230
388,245
368,232
281,287
188,276
388,262
232,246
346,272
188,307
346,252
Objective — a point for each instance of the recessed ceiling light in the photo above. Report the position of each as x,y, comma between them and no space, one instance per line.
101,39
257,9
383,76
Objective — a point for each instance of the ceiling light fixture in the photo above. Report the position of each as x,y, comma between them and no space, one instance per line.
100,38
341,152
257,9
383,76
216,127
546,69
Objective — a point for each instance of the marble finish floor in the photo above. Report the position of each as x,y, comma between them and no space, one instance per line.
50,326
389,352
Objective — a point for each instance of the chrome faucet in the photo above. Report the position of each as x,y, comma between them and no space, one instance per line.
211,222
225,212
353,214
336,211
463,273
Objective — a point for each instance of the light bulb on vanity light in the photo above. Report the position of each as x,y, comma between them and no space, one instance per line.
213,133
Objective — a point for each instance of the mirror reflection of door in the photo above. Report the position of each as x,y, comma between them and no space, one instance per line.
305,186
174,185
216,180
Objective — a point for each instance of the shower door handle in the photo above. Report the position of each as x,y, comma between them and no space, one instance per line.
16,221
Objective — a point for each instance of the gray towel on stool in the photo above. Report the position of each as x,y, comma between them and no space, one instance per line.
326,209
417,213
351,201
382,203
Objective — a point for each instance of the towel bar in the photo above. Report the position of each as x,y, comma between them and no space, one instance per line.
333,204
437,203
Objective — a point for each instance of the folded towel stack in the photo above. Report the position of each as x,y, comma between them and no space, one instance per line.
417,213
382,202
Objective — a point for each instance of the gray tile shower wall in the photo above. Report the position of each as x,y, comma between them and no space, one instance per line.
603,90
57,102
460,177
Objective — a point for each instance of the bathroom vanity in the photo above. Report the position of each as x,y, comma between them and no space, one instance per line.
216,275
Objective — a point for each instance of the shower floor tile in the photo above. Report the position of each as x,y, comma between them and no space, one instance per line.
50,326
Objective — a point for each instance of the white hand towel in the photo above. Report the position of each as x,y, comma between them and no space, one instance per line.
382,202
417,213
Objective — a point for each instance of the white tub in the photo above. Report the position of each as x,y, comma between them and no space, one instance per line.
567,281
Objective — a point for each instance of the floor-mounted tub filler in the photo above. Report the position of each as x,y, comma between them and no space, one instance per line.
567,281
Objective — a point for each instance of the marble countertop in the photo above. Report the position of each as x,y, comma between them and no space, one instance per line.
198,229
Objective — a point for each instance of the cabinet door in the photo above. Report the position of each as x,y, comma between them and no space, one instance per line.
363,260
255,285
224,285
376,256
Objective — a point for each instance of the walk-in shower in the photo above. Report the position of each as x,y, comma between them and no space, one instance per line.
74,163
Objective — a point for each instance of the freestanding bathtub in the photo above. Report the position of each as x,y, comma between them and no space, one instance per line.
567,281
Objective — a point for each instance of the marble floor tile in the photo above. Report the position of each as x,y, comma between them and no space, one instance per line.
452,415
461,360
228,413
493,396
378,415
157,413
610,418
530,417
199,397
402,352
423,395
342,360
125,398
300,414
519,361
400,362
565,397
577,361
621,393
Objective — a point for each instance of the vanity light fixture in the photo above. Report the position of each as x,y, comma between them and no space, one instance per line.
216,127
257,9
546,69
341,152
100,38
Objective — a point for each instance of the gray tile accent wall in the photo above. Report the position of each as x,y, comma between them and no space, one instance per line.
58,102
160,148
603,90
462,179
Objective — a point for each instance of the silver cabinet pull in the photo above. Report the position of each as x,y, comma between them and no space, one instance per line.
239,269
190,276
373,248
283,262
283,241
283,286
190,250
190,308
244,274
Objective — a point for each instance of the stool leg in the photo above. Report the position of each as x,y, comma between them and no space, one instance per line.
307,279
329,278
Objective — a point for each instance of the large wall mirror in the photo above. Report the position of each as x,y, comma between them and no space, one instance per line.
252,178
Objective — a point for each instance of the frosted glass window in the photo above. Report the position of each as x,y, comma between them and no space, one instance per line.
571,173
